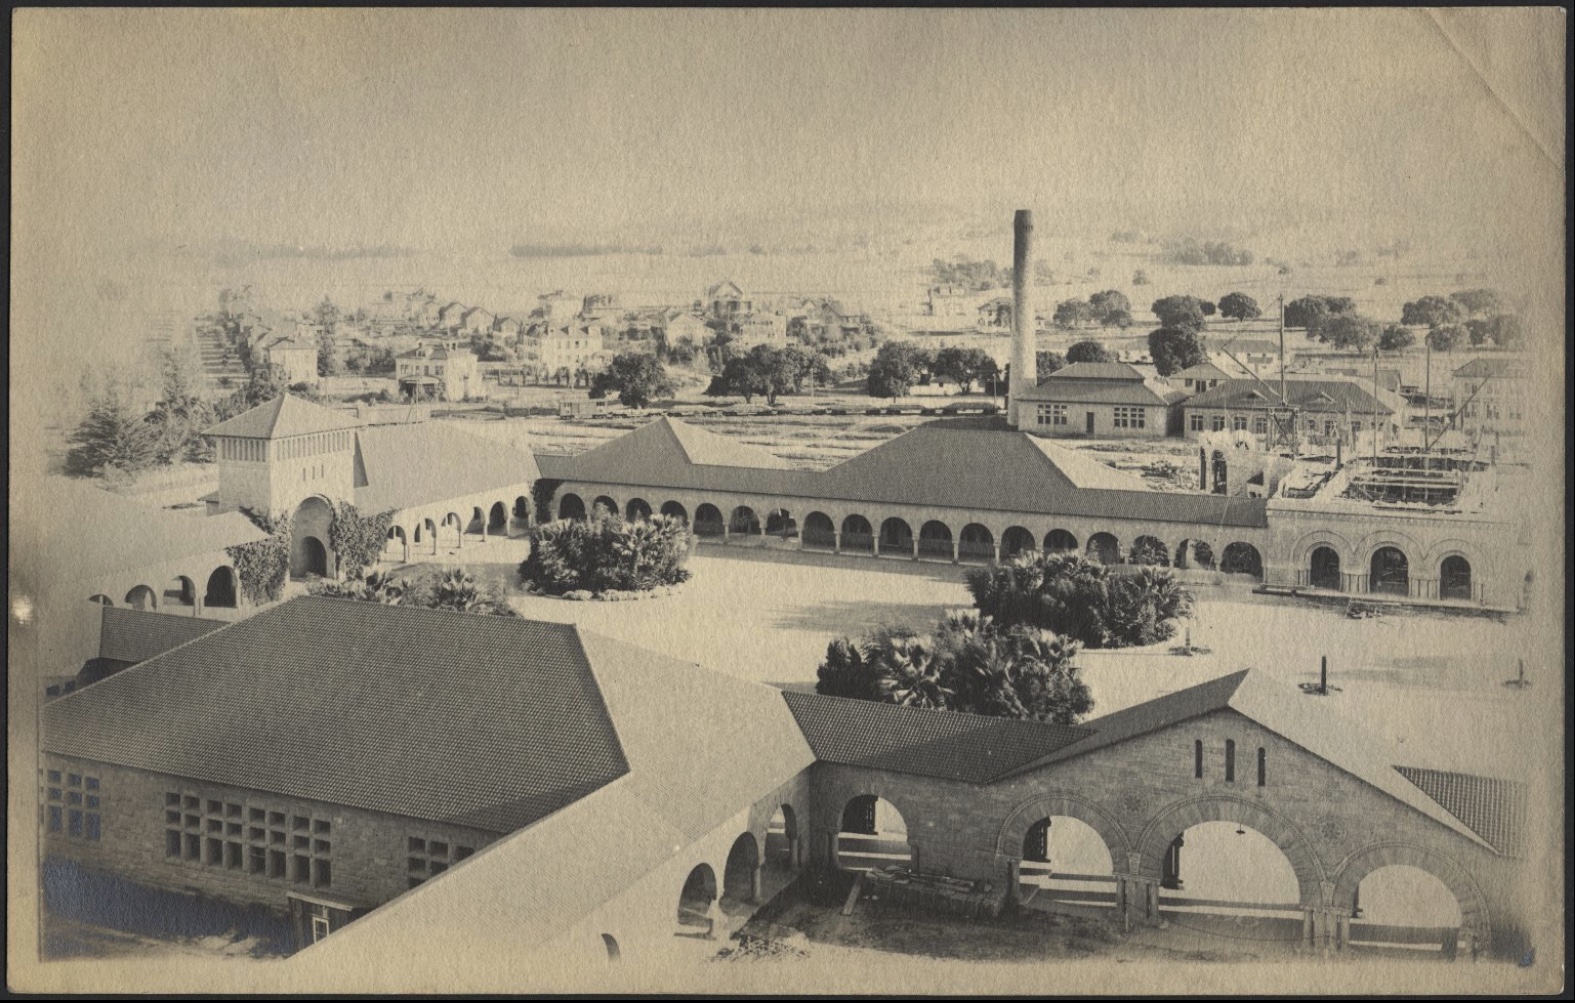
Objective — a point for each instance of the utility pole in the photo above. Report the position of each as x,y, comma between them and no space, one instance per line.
1282,346
1427,392
1375,407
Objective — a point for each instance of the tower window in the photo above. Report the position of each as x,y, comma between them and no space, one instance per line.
1263,766
1197,759
1230,761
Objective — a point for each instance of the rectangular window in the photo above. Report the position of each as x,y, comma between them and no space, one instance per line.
276,863
1260,425
193,847
233,856
1051,414
1197,759
303,870
172,818
1230,761
90,828
1238,422
1263,766
256,860
172,842
74,780
1356,426
215,854
1131,417
322,873
1195,421
92,783
55,818
54,776
74,822
1217,422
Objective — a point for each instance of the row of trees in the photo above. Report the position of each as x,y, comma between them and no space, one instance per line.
1470,316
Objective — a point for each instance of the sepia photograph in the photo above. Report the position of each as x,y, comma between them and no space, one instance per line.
744,501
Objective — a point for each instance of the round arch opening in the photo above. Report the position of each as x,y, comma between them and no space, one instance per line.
1242,559
1389,572
673,510
637,510
1454,578
1227,876
819,533
1403,907
1016,540
857,534
896,536
1323,569
872,833
708,521
1150,550
606,505
694,901
1104,548
782,840
571,506
1066,859
309,533
780,522
220,593
741,876
142,597
743,522
935,540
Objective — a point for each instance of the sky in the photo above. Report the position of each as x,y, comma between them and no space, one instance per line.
344,128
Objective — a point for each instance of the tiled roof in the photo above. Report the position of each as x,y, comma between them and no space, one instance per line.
484,721
1478,368
945,745
1095,371
131,635
1308,395
405,466
84,532
952,463
1091,391
701,746
1201,371
283,416
1494,809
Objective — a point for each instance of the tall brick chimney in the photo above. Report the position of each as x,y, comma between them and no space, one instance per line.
1024,370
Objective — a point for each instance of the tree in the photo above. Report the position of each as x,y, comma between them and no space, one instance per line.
607,553
264,384
1111,307
457,589
1431,311
180,415
1047,363
962,366
1506,331
803,366
1239,306
636,377
1305,312
379,587
1180,311
1345,331
1088,351
896,368
113,436
1082,599
1396,338
968,663
1446,337
1479,302
1140,278
1174,349
1072,313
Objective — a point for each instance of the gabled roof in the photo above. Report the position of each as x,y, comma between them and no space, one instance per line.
1273,705
722,287
132,635
1244,346
946,745
484,721
1482,367
1314,395
285,415
1201,371
700,746
665,452
1095,371
1494,809
405,466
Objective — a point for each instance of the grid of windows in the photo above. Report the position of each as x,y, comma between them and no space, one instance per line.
256,839
430,857
71,804
1051,414
1131,417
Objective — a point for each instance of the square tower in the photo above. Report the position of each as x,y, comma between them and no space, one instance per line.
278,454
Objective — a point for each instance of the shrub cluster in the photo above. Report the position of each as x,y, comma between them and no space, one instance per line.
607,553
1080,598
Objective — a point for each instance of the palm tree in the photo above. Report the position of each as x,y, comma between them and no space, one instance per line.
912,674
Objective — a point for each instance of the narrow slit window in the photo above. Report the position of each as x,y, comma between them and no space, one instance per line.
1230,761
1263,766
1197,759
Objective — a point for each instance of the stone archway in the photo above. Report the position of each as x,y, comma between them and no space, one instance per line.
498,519
708,521
695,898
1149,550
741,875
935,540
1323,571
872,832
1454,578
675,510
571,506
181,591
857,534
220,593
1016,540
1389,572
637,510
1154,845
819,532
309,553
1104,548
1009,840
1474,914
976,543
1062,541
142,597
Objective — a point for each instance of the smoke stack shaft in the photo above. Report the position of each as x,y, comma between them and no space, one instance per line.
1024,370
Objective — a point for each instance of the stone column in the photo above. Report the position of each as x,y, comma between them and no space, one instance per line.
956,551
916,548
996,550
875,544
836,541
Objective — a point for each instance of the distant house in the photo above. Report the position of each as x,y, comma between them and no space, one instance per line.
726,301
476,321
508,328
451,316
450,373
949,301
298,358
681,325
1254,352
556,307
1489,395
599,307
1198,378
1329,410
569,349
760,329
1100,399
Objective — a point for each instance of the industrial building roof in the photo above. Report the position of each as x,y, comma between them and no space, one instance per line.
283,416
1494,809
1478,368
484,721
405,466
132,635
929,743
952,463
1304,394
1095,371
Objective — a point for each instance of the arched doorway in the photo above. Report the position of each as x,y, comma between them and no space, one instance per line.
873,834
694,901
1242,559
1390,572
1454,578
780,522
935,540
820,533
976,543
498,519
782,842
1228,879
638,510
741,876
606,506
1104,548
1324,569
309,531
180,592
1066,859
1150,550
453,520
1060,541
708,521
519,519
478,523
398,543
1015,541
673,510
430,529
743,522
896,537
571,506
220,593
142,597
857,534
1402,907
